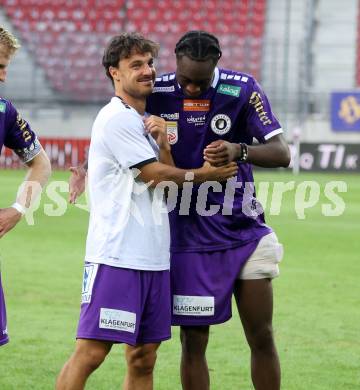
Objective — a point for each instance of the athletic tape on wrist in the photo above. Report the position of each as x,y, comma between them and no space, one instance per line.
17,206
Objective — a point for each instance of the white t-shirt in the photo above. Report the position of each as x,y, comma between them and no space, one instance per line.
128,225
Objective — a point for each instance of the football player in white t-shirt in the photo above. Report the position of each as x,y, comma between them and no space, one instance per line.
126,285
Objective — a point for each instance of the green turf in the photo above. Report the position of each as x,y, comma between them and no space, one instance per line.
317,300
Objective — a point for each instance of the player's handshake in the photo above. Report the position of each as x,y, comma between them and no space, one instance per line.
221,152
221,173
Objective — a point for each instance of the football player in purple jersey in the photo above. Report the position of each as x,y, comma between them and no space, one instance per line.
16,134
214,114
223,246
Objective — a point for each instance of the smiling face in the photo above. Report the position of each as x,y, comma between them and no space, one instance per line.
194,77
134,76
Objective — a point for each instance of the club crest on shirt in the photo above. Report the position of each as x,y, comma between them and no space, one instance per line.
220,124
172,132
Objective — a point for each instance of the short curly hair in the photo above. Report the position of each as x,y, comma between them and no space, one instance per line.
122,46
8,43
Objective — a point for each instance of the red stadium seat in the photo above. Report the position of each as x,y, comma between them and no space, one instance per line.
67,37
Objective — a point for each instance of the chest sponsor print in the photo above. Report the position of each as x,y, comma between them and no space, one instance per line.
220,124
196,105
170,88
231,90
174,116
196,120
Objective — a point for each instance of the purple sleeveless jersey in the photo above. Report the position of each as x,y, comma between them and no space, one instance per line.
234,109
16,134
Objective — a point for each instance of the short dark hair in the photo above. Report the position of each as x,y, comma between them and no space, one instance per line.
123,45
198,45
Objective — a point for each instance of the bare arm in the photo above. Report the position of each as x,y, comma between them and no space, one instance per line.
274,153
155,126
39,171
156,173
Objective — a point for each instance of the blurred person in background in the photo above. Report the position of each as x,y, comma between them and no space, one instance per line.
16,134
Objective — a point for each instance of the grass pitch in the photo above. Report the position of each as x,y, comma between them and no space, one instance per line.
317,298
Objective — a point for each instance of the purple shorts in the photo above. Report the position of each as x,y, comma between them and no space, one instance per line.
202,284
4,338
123,305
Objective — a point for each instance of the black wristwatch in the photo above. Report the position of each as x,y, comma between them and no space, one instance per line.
243,155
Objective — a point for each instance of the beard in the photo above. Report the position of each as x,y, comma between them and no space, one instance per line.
139,93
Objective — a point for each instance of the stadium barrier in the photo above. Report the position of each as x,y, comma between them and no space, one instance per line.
334,157
63,153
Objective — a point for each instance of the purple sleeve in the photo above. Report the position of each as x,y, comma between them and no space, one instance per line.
19,136
261,123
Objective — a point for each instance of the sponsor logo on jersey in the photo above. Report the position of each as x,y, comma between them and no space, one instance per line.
2,107
24,127
90,271
256,101
117,320
231,90
220,124
196,120
185,305
164,89
172,132
171,117
196,105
